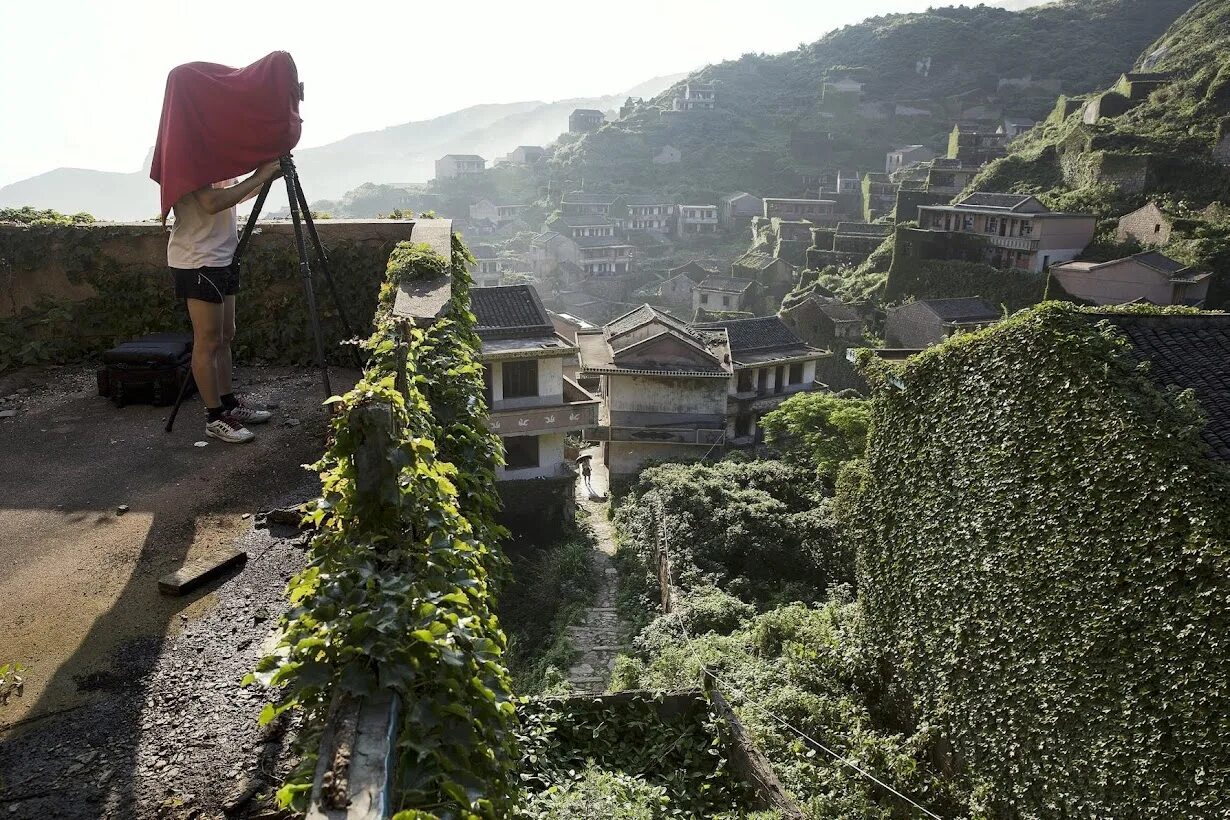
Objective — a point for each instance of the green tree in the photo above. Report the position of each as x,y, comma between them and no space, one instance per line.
819,430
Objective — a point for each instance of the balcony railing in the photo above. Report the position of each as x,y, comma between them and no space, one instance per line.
658,435
576,409
1014,243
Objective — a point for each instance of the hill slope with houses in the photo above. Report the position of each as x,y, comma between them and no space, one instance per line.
844,101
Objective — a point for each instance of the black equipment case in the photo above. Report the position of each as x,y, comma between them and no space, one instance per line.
148,370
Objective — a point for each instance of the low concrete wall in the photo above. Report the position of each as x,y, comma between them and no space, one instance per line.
45,261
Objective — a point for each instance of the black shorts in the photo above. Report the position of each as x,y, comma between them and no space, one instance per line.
206,284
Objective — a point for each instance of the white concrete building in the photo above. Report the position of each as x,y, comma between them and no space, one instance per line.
532,405
455,165
697,219
771,364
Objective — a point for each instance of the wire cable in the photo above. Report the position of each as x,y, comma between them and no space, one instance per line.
706,671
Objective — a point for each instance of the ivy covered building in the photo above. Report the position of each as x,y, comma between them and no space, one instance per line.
1043,526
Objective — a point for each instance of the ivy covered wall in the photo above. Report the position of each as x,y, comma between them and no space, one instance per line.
1043,558
70,291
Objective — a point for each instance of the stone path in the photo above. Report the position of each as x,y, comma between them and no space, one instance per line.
597,637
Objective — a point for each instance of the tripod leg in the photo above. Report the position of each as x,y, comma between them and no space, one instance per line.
305,270
321,258
184,389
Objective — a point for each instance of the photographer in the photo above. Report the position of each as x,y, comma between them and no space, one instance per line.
201,254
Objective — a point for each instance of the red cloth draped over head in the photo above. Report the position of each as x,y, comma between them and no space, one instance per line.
220,122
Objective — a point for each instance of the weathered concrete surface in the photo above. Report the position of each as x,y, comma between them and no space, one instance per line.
79,582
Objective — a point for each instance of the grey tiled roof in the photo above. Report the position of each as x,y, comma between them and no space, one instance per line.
508,312
643,315
599,242
1159,261
755,260
726,284
839,312
962,310
755,334
1187,352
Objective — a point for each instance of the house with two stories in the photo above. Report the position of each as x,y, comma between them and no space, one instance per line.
673,391
771,364
977,143
737,210
488,269
694,220
646,213
450,166
531,404
1010,230
1150,277
584,120
695,97
663,388
726,293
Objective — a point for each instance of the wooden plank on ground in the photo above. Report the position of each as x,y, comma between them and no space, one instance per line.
200,571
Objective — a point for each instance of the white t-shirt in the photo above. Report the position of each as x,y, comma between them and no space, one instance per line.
200,239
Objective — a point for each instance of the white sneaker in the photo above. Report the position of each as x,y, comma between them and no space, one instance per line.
245,413
227,428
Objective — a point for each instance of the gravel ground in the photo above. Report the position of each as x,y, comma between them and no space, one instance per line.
182,741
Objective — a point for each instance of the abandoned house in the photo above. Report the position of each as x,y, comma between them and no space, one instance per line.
927,322
771,364
697,219
695,97
663,387
905,156
488,269
976,143
647,213
1148,225
583,203
584,120
726,293
818,211
532,405
1144,277
1009,230
455,165
739,208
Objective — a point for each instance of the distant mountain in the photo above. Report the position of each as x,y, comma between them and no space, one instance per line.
400,153
773,124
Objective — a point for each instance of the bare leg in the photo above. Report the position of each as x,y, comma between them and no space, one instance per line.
224,353
206,343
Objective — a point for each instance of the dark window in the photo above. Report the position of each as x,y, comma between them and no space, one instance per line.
745,381
487,396
520,379
520,452
762,381
796,373
743,426
704,298
725,301
780,382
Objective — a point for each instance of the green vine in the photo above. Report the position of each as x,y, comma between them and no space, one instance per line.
398,594
1043,555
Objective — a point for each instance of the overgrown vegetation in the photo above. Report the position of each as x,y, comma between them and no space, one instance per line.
551,586
1161,148
628,759
397,594
1043,554
43,217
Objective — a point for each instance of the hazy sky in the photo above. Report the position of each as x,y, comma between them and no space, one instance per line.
83,79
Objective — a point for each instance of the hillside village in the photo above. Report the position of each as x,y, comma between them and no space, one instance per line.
838,433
